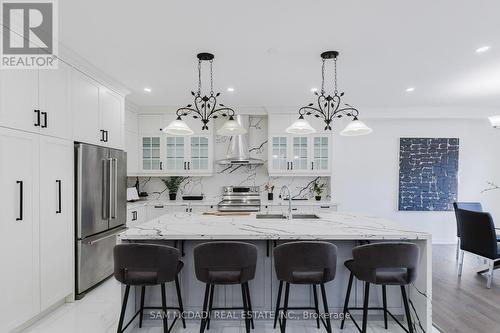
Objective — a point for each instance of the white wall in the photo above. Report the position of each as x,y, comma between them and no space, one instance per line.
365,170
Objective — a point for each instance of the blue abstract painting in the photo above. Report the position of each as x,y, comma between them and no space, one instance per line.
428,173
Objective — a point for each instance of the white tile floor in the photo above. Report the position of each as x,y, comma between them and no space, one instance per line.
98,312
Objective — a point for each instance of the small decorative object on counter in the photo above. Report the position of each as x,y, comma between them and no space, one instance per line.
173,183
269,189
318,189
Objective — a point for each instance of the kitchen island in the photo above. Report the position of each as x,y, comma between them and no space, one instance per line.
186,230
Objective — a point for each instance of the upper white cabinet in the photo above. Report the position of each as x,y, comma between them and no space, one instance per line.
98,116
112,117
36,101
164,154
298,155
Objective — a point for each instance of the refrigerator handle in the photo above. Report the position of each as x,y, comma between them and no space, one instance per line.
110,180
105,191
115,188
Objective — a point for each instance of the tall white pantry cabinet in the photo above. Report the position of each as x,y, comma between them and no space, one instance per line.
39,112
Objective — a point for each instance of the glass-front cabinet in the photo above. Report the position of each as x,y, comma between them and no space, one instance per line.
151,154
307,155
175,153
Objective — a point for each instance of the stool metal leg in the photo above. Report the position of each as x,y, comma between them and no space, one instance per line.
365,306
179,301
384,302
327,311
247,289
141,314
245,308
164,308
407,309
205,301
124,307
316,308
210,305
346,302
285,307
278,300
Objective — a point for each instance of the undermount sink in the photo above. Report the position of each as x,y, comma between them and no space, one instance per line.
281,216
270,216
304,216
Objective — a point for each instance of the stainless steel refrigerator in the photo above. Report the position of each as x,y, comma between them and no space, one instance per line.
101,199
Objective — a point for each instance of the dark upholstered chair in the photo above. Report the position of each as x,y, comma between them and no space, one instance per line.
473,206
382,264
147,265
310,263
224,263
478,237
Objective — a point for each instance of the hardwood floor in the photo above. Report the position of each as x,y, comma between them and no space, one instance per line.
463,304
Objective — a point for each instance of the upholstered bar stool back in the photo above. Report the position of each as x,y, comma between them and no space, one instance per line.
383,264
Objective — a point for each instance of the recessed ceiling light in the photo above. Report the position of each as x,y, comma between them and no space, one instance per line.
230,89
147,90
314,89
410,89
482,49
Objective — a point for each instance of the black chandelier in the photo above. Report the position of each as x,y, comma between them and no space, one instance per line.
329,107
204,107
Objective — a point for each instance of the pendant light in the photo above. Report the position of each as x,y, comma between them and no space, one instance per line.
329,107
205,108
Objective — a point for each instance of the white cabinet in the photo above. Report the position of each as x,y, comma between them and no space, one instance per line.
36,101
132,149
85,108
297,155
53,97
19,230
191,155
112,117
19,99
37,220
56,220
98,113
136,216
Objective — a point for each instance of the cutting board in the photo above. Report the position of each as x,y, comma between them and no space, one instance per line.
227,213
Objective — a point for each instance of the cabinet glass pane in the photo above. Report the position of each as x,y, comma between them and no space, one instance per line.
279,153
151,153
199,153
320,153
175,153
299,153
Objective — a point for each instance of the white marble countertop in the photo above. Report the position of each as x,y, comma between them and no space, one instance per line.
332,226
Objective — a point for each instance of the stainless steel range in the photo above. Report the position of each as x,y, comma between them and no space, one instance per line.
240,199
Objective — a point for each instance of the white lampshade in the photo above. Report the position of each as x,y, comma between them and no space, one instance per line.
300,126
231,127
495,121
178,127
356,127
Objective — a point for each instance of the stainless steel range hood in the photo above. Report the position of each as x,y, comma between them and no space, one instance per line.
237,152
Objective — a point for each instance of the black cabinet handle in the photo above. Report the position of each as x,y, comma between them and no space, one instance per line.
161,165
44,114
106,132
102,135
20,218
288,165
37,118
291,165
184,165
189,165
312,165
59,205
134,215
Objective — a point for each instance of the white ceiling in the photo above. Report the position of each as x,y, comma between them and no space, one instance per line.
269,50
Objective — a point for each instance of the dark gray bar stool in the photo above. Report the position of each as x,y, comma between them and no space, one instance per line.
225,263
148,265
309,263
383,264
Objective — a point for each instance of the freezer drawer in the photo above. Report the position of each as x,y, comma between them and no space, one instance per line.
95,259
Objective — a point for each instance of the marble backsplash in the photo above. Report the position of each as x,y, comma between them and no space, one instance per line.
211,187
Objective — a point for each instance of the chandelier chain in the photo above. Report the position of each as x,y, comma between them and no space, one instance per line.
199,77
335,91
323,77
211,78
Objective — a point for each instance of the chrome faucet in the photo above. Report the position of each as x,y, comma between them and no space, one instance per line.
284,187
